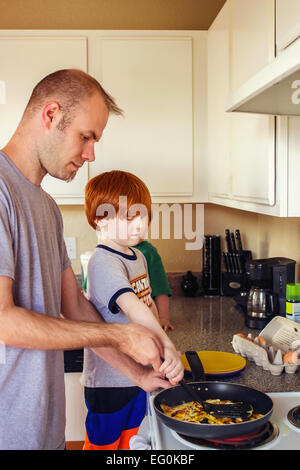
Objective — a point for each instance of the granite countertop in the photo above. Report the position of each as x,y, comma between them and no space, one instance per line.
209,323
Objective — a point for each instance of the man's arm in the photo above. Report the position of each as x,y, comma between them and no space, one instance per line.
137,342
23,328
27,329
75,306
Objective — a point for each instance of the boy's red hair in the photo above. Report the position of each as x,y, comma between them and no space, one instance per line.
107,188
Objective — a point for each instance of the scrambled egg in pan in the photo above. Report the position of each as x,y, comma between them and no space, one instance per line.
193,412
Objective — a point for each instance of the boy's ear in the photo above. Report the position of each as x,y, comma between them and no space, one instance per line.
100,222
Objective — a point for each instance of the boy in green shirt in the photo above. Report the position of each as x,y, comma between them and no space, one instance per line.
159,283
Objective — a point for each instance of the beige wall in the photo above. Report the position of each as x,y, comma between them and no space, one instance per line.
266,236
174,255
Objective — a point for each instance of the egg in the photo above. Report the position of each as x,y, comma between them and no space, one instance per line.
291,357
261,341
244,336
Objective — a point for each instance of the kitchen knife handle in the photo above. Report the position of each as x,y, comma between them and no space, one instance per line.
226,261
228,241
238,262
230,265
235,263
233,243
239,240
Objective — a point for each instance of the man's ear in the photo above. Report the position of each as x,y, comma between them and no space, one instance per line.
51,114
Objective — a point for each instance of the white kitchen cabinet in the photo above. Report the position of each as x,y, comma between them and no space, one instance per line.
242,163
157,77
155,137
287,23
218,122
252,136
293,150
159,80
25,59
288,168
254,160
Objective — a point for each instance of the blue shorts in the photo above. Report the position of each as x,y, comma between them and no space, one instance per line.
114,416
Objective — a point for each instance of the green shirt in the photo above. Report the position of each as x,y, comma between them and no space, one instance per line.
157,275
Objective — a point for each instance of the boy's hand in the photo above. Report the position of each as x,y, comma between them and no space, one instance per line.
172,366
165,324
151,380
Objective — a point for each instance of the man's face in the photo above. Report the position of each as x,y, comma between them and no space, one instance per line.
62,153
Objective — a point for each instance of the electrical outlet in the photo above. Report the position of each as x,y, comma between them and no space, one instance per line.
71,247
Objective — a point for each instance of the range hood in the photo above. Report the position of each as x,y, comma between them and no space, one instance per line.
273,90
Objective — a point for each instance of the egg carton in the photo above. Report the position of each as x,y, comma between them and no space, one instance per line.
269,349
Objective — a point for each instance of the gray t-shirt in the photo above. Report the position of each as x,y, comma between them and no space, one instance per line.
33,254
110,274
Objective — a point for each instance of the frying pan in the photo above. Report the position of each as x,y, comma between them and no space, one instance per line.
262,404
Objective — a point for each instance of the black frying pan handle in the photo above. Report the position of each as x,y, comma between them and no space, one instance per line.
196,366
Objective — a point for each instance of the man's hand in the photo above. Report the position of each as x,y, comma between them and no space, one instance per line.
141,344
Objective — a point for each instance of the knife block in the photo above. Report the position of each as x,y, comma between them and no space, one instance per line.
233,283
211,265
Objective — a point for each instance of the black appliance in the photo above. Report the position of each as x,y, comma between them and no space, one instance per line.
73,360
270,276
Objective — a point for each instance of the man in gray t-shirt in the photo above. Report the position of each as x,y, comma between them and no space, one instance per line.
31,381
65,116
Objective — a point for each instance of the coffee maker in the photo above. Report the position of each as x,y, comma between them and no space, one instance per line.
266,298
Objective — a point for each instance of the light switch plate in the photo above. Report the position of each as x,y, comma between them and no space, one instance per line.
71,247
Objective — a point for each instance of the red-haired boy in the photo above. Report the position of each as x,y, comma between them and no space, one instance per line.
118,204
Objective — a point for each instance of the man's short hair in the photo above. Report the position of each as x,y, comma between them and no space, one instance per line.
69,87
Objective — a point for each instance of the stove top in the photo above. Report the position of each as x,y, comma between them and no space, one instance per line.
294,417
280,433
262,437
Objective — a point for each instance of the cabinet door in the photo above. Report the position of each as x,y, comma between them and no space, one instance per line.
293,150
253,136
253,159
287,23
219,164
24,62
151,79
